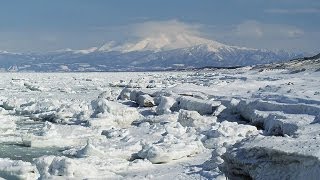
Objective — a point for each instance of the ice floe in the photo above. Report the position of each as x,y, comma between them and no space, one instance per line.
204,124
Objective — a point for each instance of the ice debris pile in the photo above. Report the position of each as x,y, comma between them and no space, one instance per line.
243,123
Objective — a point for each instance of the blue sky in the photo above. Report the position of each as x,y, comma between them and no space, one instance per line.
46,25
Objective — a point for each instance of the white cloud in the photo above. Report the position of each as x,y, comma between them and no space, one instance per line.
249,29
255,29
294,33
249,33
255,34
170,27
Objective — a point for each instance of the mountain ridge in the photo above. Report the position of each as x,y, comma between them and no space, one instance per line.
161,52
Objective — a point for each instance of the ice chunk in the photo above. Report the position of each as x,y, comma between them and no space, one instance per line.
125,94
166,103
277,118
194,104
194,119
273,158
54,110
134,94
8,124
11,169
113,111
89,150
175,129
57,135
109,94
219,110
145,101
33,87
12,103
164,153
227,133
176,143
51,167
58,166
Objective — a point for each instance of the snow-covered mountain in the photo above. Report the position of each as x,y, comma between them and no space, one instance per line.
161,52
162,42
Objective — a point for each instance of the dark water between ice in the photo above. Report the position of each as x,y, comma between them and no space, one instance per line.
19,152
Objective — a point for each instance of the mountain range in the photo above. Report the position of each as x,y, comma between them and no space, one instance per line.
161,52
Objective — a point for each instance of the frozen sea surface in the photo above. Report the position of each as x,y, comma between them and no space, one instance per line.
206,124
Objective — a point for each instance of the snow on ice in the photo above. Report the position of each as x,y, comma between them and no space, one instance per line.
260,123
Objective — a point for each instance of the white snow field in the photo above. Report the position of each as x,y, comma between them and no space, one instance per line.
245,123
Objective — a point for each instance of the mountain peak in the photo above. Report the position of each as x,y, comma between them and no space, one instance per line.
162,42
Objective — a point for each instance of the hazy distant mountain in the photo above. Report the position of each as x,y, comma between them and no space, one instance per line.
152,53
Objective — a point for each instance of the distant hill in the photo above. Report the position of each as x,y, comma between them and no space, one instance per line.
295,65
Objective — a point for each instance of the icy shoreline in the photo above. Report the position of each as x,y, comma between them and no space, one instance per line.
159,125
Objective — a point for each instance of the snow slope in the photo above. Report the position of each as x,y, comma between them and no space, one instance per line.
162,42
